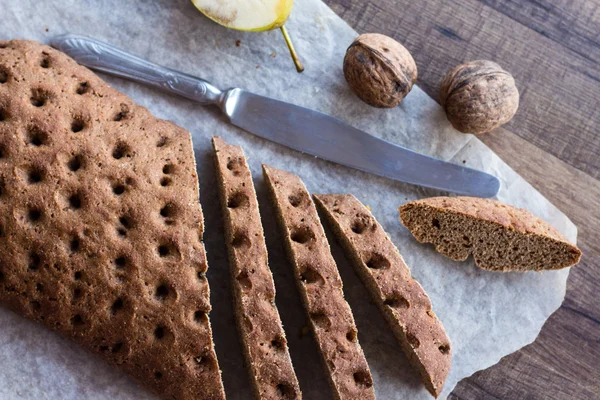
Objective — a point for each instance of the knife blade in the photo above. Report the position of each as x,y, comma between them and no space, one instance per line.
299,128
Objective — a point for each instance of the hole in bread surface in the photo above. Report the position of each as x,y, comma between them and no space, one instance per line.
117,347
34,215
302,234
165,181
377,261
78,124
4,114
168,169
121,262
125,221
123,113
118,189
235,165
361,223
78,275
435,223
3,74
396,300
82,88
167,249
162,142
168,211
159,332
116,306
158,375
77,321
351,335
34,261
36,136
309,275
45,61
121,150
75,163
413,340
240,240
244,281
205,362
35,305
200,317
39,97
363,378
162,292
35,175
278,342
75,201
285,391
320,320
238,199
297,199
444,349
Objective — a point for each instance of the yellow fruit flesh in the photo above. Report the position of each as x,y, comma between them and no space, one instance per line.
251,16
247,15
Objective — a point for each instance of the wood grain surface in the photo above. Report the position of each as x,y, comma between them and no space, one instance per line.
553,50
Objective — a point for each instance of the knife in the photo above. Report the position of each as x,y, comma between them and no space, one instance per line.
293,126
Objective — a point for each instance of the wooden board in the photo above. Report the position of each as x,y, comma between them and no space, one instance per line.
553,50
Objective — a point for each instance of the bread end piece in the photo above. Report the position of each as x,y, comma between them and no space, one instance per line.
499,236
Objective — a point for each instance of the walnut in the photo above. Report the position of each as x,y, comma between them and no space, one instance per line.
379,70
479,96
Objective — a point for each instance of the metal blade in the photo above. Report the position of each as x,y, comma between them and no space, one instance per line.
329,138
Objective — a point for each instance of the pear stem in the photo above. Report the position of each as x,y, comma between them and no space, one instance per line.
288,41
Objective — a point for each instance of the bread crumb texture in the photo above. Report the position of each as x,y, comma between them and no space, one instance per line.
499,236
100,224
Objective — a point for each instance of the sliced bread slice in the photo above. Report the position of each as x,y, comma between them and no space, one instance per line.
259,325
403,302
499,236
320,286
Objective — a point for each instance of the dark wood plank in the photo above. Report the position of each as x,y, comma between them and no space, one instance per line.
574,24
559,82
562,362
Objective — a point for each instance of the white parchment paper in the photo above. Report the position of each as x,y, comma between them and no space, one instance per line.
487,315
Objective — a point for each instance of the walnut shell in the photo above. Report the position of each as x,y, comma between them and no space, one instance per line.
479,96
379,70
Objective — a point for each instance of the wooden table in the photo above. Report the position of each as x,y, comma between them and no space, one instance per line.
553,50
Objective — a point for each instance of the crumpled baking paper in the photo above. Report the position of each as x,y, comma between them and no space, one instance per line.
487,315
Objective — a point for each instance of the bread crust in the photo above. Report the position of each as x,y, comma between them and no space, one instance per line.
402,301
499,236
259,325
320,286
101,224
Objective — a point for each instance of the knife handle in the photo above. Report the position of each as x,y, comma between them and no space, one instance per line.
103,57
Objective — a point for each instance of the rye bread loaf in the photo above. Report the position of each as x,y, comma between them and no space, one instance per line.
259,325
320,286
101,228
499,236
403,302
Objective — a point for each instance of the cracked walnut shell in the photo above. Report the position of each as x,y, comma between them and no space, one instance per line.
479,96
379,70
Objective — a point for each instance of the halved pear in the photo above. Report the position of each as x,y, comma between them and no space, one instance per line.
251,16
